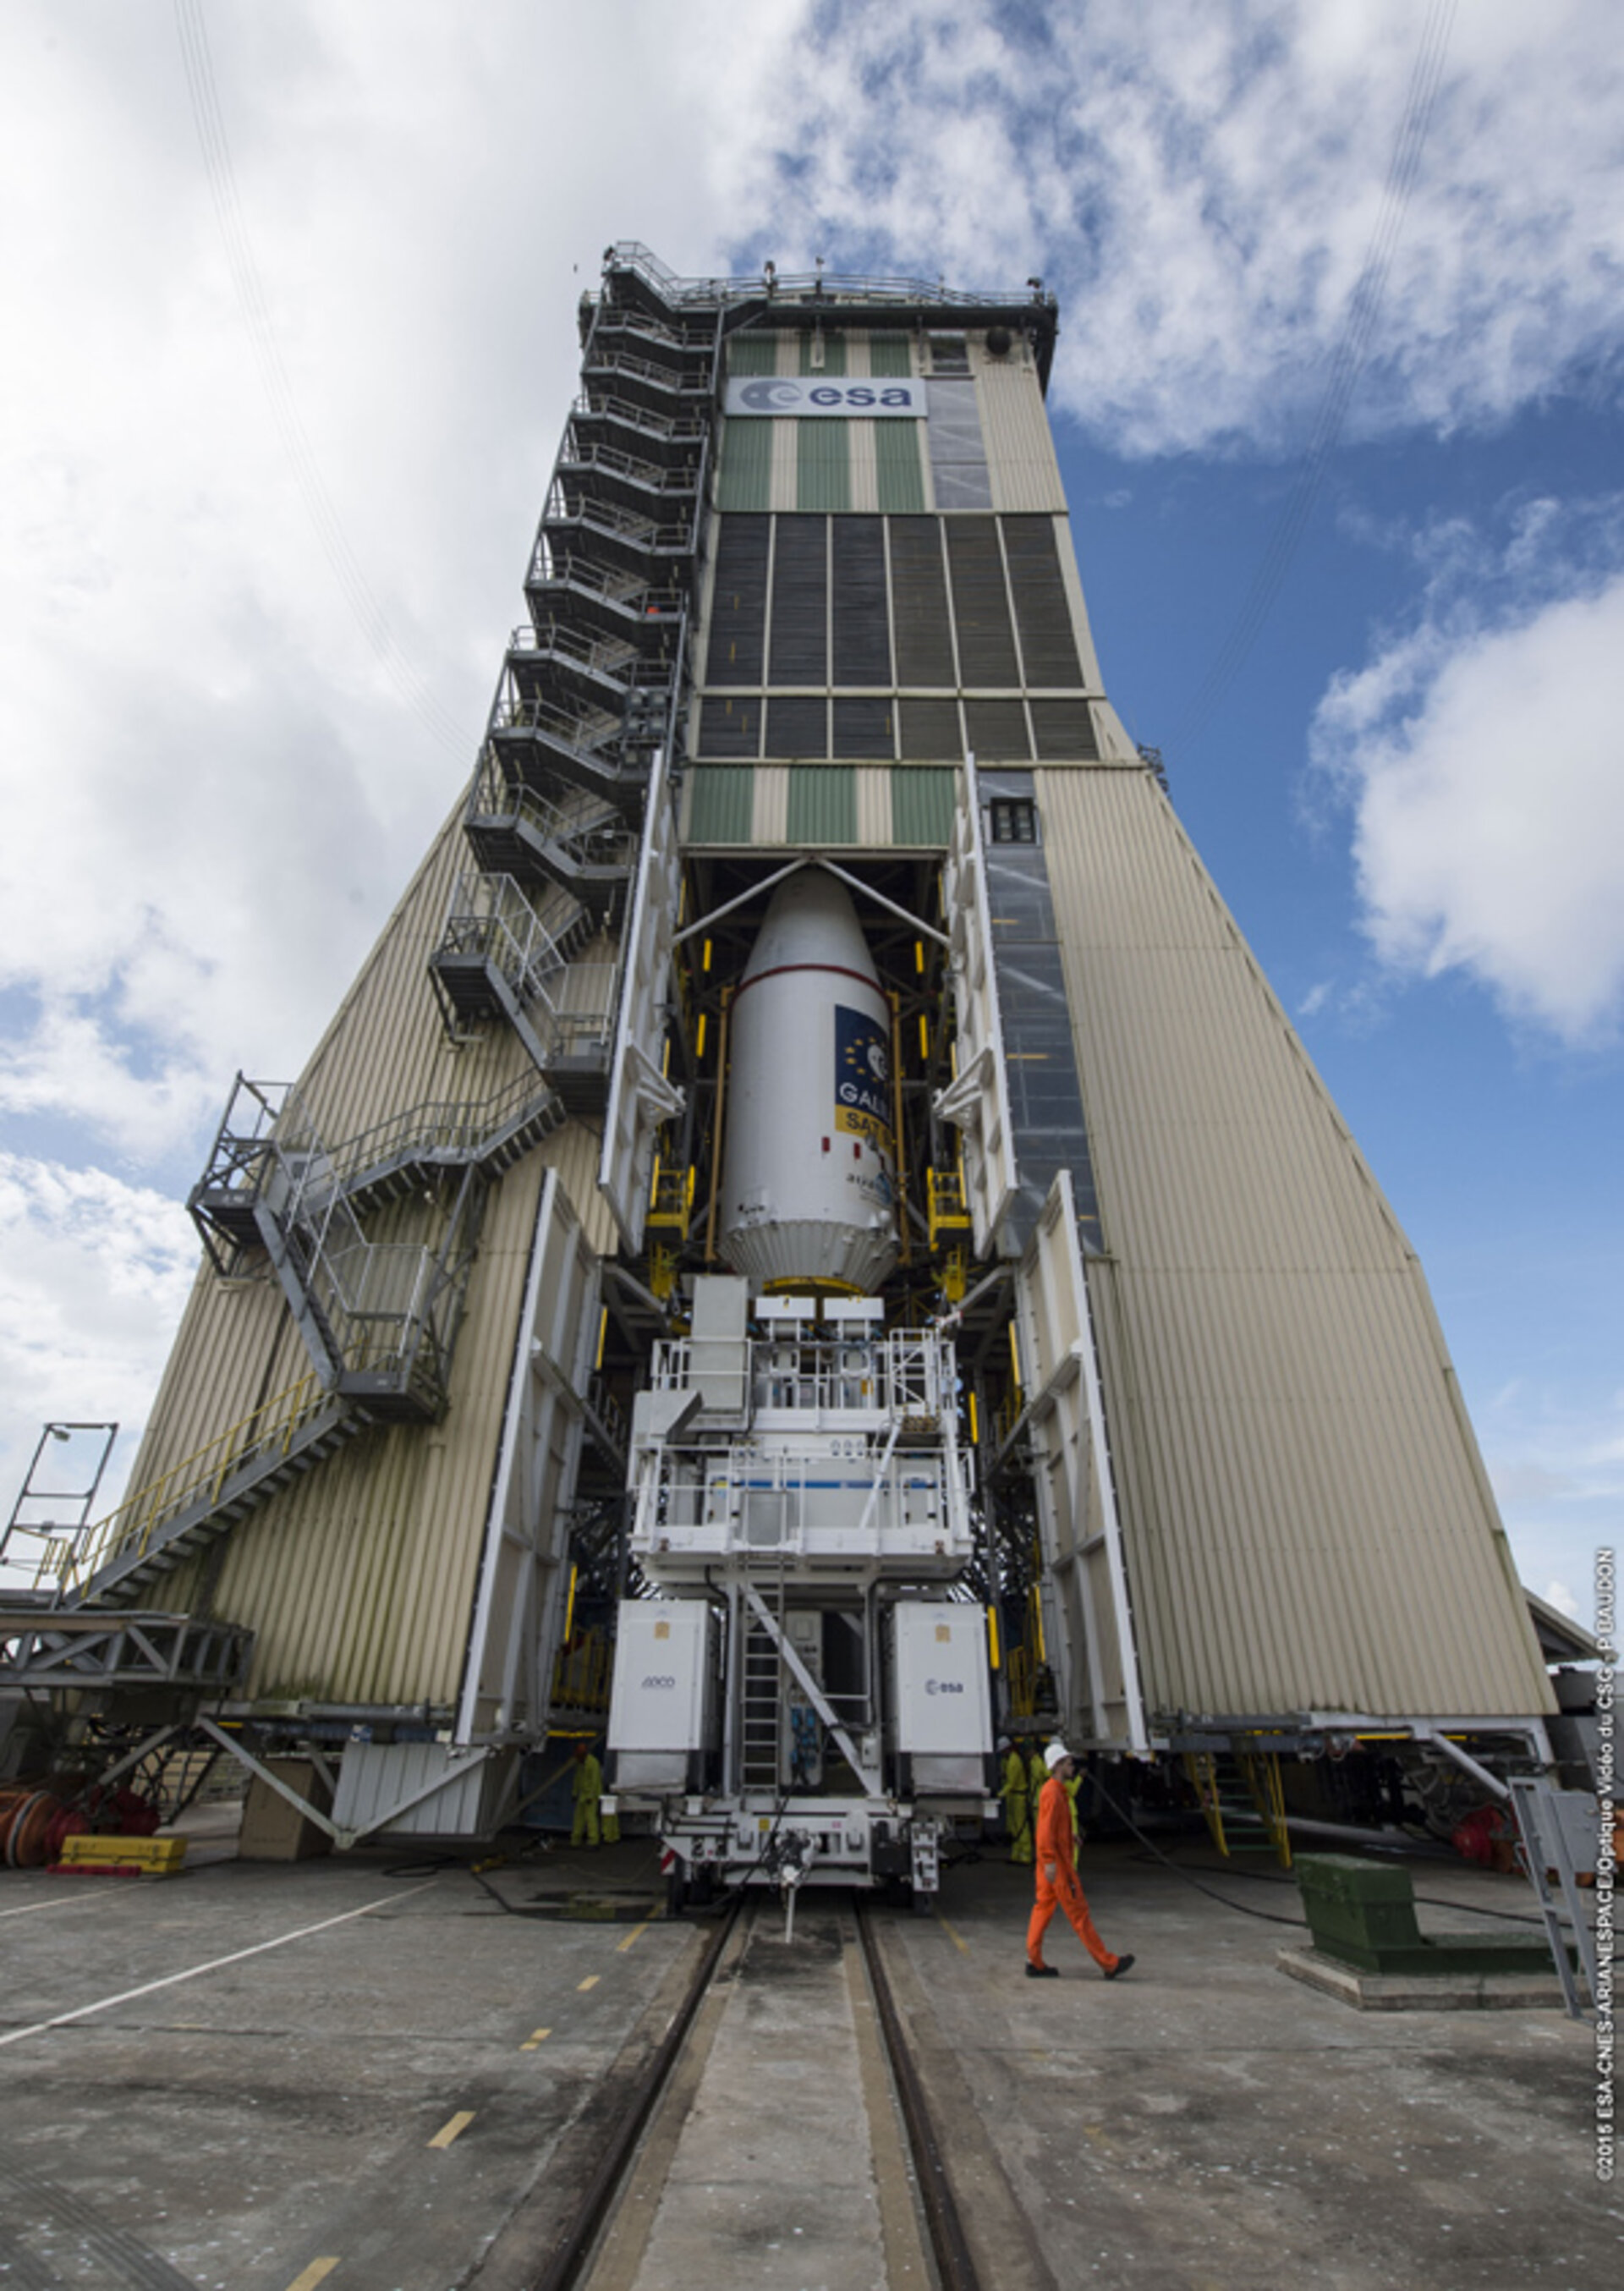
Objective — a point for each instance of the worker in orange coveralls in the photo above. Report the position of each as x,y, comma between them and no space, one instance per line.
1058,1885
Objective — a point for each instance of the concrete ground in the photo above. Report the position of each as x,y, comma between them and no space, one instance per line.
1207,2122
364,2071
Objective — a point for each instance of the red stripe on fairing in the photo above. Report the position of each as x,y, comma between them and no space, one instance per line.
832,970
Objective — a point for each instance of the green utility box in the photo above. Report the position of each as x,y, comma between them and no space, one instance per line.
1363,1913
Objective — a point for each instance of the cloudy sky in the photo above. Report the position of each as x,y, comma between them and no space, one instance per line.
288,339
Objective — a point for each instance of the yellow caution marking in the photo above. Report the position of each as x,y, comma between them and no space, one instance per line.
636,1930
591,1981
447,2133
317,2271
952,1935
539,2036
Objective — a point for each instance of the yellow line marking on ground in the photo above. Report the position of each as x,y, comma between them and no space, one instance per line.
539,2036
623,1946
447,2133
952,1935
317,2271
591,1981
192,1972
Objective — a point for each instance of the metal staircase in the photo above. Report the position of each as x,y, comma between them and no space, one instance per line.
591,691
378,1319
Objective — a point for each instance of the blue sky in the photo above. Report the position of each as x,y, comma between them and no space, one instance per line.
290,298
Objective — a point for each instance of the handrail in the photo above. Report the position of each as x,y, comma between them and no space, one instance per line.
618,464
631,254
611,360
454,1126
605,655
621,524
494,796
678,428
612,582
512,712
132,1526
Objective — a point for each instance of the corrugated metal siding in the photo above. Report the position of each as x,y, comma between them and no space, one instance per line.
786,465
752,354
834,355
736,641
1042,613
995,731
747,464
823,465
862,727
899,476
981,603
1020,448
930,729
873,798
798,725
799,653
890,354
919,596
357,1581
822,805
772,804
721,804
1306,1521
922,799
864,476
730,725
861,628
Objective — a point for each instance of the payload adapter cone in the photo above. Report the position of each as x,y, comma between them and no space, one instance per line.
809,1188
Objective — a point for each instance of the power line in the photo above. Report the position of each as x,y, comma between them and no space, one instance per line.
1347,363
328,526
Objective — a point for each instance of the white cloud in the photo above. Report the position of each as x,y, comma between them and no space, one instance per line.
1203,187
1482,763
93,1274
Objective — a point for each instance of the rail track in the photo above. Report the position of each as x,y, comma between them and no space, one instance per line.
597,2249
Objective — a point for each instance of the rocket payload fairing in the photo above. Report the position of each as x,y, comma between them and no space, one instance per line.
809,1184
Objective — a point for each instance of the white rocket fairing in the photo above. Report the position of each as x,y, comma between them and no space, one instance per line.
809,1171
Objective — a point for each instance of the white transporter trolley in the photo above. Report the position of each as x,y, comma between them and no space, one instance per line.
805,1700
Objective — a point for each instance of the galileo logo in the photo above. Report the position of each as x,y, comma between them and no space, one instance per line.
777,394
658,1684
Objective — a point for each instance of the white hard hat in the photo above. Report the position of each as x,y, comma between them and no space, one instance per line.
1054,1754
1003,1742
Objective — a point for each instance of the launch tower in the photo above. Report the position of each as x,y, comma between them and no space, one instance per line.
811,1200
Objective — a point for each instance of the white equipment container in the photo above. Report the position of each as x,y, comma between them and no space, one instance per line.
661,1716
810,1186
942,1715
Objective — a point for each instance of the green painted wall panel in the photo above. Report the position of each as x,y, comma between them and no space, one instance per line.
922,804
723,806
889,354
822,807
752,354
896,467
822,463
747,464
834,355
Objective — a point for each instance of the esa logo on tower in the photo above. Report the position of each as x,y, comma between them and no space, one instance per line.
771,394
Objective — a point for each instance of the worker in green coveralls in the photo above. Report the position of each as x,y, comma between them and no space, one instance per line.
1017,1804
589,1789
